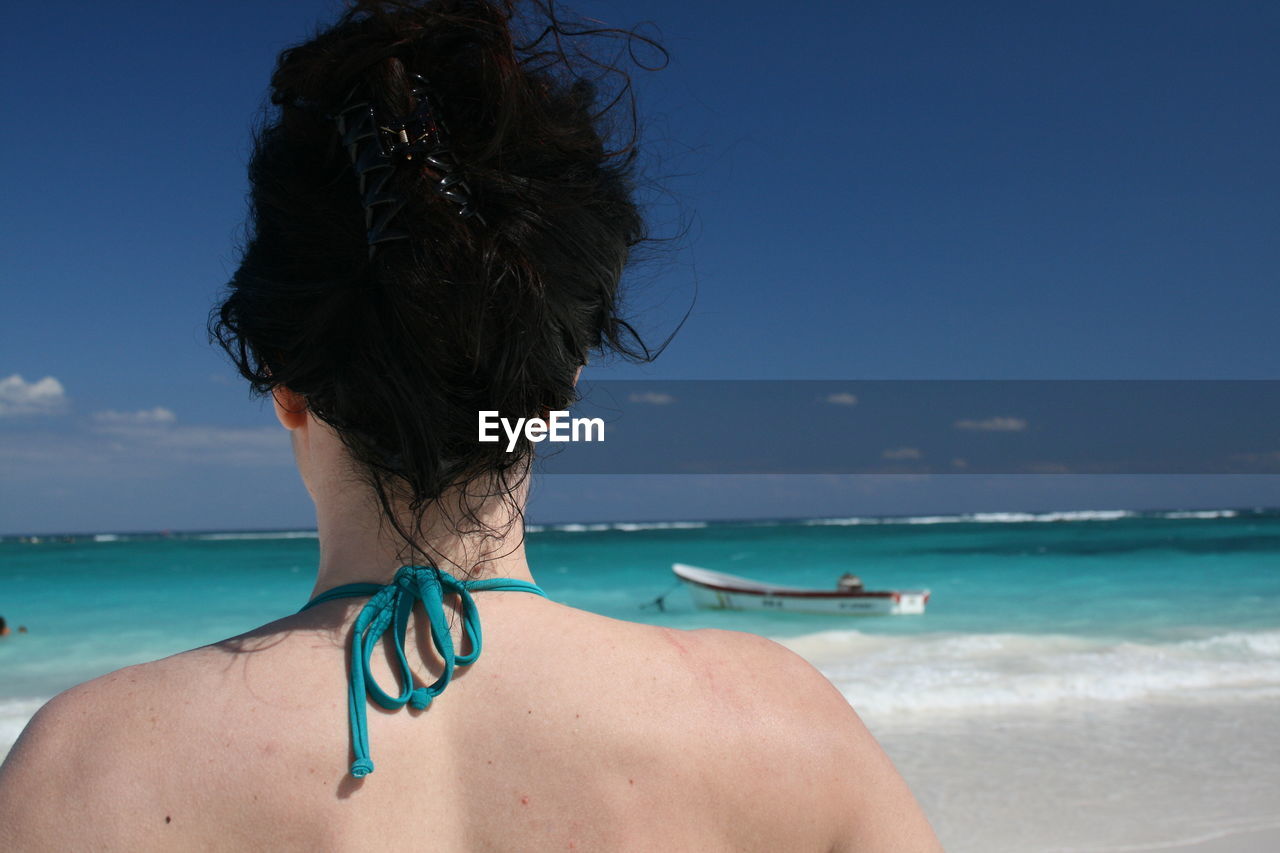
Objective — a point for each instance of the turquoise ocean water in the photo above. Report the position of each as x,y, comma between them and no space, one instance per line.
1026,610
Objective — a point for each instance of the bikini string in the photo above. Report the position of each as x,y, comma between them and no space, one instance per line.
388,609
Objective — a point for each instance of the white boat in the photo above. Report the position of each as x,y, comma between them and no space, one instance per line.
720,591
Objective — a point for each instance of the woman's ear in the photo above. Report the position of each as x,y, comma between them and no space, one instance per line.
291,408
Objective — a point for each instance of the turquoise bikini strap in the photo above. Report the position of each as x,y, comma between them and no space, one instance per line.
389,608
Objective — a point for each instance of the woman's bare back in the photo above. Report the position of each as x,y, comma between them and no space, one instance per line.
572,731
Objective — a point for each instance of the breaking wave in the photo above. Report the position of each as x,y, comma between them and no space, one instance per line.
1025,517
882,674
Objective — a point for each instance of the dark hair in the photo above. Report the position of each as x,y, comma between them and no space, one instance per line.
400,349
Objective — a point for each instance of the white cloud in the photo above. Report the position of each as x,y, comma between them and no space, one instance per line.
652,398
157,432
212,444
147,442
128,451
144,417
19,397
842,398
997,424
902,453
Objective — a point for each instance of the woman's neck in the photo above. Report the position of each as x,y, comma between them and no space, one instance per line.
358,545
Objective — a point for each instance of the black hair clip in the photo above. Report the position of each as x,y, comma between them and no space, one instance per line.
377,147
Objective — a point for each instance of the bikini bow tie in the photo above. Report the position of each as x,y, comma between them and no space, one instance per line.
388,609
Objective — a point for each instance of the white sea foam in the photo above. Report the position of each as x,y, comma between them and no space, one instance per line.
960,673
1078,515
622,526
986,518
14,714
1026,517
277,534
1083,515
1203,513
631,527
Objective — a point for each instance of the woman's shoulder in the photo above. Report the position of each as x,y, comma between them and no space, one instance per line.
722,677
87,718
77,762
733,721
731,668
762,729
117,762
779,733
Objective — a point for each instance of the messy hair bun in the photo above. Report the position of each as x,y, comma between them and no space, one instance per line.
398,349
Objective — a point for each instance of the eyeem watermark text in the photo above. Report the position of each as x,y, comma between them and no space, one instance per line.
558,426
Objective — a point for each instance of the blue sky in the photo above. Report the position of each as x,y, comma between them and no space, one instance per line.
884,190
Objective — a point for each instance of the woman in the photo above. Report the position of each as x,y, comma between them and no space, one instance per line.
438,229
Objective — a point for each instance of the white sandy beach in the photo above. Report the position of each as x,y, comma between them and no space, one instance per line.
1199,775
1259,841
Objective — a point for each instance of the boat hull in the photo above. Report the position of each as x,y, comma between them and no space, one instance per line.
716,591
